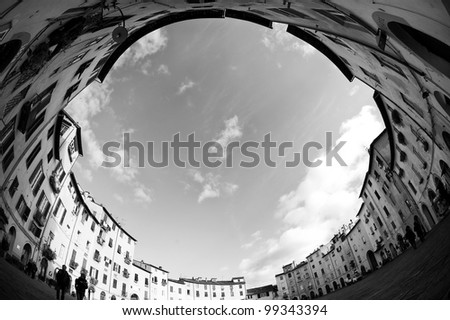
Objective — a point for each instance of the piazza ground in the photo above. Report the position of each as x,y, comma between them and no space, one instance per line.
416,274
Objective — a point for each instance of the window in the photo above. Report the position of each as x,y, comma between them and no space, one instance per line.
342,258
7,136
43,205
114,283
393,225
110,243
105,279
323,271
71,90
72,149
179,290
379,221
58,208
33,155
13,187
197,294
22,209
412,187
386,63
50,132
369,183
370,75
50,156
63,216
315,275
377,195
36,178
119,249
136,277
371,206
386,211
93,226
412,105
146,282
171,289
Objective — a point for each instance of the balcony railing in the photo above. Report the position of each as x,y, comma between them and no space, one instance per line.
97,258
100,240
39,219
127,260
73,265
126,274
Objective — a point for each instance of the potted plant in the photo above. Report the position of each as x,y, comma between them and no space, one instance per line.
48,253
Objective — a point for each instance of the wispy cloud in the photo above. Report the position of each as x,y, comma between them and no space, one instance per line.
354,90
119,198
231,132
143,194
278,38
143,49
324,199
185,85
163,69
255,237
212,186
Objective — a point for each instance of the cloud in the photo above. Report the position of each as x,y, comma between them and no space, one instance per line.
143,194
119,198
185,85
86,105
212,187
354,90
141,50
163,69
231,132
277,38
255,237
325,198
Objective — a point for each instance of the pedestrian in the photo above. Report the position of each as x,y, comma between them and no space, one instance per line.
80,286
419,229
411,236
62,283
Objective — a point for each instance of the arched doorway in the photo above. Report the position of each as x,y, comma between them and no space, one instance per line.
372,260
11,239
304,297
312,294
113,297
134,296
428,216
320,292
393,251
335,285
363,270
26,254
342,281
327,289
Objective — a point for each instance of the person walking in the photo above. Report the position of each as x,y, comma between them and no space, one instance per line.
411,236
62,283
80,286
419,229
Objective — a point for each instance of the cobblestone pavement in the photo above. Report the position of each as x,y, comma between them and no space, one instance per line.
423,273
416,274
15,284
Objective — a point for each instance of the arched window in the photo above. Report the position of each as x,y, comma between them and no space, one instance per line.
8,51
443,100
396,117
401,138
446,137
430,49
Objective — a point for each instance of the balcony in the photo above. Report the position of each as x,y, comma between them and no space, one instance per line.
126,274
73,265
124,294
127,260
93,281
100,240
39,219
97,258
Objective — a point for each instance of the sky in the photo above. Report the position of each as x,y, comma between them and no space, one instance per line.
226,80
